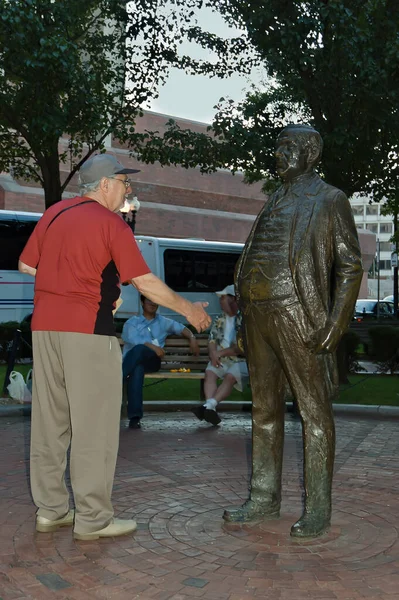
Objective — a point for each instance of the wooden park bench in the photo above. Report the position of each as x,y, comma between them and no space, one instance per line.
178,357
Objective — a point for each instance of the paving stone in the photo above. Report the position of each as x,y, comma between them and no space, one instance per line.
175,478
195,582
53,581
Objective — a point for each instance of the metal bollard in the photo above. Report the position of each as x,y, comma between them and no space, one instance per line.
12,355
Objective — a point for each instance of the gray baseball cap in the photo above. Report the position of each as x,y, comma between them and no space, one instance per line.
102,165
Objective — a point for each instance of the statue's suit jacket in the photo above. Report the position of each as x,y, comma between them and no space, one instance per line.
324,254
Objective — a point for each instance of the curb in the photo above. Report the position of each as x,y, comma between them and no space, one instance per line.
9,410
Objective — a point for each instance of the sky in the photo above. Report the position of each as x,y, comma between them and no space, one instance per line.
194,97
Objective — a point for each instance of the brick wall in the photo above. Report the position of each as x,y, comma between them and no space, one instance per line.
218,199
162,222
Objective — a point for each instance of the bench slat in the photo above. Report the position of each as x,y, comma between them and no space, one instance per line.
169,375
184,349
184,357
203,343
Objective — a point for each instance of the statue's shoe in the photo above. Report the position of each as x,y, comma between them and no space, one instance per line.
251,511
311,525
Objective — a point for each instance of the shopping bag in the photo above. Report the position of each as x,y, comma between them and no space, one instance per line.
19,389
16,387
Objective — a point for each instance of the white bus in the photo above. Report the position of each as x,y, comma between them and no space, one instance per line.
192,267
16,289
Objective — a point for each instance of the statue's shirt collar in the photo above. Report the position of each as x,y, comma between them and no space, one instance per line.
305,183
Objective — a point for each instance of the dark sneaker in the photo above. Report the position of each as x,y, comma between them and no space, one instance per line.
134,423
199,411
211,416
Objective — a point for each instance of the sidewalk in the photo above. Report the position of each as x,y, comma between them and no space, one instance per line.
176,476
7,410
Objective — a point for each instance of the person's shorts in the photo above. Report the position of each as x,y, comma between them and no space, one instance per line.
239,370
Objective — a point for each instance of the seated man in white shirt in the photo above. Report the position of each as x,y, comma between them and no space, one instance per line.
225,360
144,338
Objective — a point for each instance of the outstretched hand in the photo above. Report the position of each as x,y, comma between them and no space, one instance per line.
198,317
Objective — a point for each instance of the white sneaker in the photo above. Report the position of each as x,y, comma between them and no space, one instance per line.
46,525
114,529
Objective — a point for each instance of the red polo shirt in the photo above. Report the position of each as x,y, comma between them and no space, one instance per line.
81,251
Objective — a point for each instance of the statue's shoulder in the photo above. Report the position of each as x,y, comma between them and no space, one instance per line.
325,191
276,193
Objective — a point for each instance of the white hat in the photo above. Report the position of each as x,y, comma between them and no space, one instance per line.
229,289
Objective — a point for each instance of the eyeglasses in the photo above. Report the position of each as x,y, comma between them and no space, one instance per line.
126,182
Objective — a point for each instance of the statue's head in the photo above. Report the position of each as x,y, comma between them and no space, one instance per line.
298,150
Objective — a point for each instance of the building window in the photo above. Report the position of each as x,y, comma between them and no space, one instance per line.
385,265
385,227
385,246
372,209
357,209
198,271
373,227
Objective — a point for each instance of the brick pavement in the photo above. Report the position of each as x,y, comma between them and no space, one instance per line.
175,477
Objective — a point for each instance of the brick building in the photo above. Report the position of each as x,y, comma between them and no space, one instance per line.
175,202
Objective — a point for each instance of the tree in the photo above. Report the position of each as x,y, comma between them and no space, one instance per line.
331,63
81,69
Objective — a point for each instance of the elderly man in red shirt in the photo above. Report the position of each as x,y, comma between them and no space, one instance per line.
79,253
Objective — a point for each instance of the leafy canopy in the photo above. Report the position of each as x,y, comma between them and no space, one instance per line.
83,70
331,63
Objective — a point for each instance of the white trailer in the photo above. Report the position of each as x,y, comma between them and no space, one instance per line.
192,267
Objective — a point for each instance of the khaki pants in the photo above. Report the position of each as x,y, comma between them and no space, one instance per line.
76,401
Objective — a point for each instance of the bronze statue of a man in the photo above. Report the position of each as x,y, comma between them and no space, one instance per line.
297,281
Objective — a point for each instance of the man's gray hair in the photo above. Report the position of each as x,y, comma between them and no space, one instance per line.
85,188
308,137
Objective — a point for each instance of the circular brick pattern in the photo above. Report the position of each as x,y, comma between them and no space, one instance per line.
357,540
176,478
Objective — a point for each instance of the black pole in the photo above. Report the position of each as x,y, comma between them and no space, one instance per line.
132,222
12,355
395,269
378,278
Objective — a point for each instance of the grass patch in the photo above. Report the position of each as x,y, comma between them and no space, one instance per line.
189,389
371,389
363,389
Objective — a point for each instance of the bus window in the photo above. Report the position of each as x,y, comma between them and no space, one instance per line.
8,244
197,270
14,234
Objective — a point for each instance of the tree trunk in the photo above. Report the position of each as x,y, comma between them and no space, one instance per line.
50,168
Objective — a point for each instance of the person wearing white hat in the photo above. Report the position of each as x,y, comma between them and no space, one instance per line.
226,362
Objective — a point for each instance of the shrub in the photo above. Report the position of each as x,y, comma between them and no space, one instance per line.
385,347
